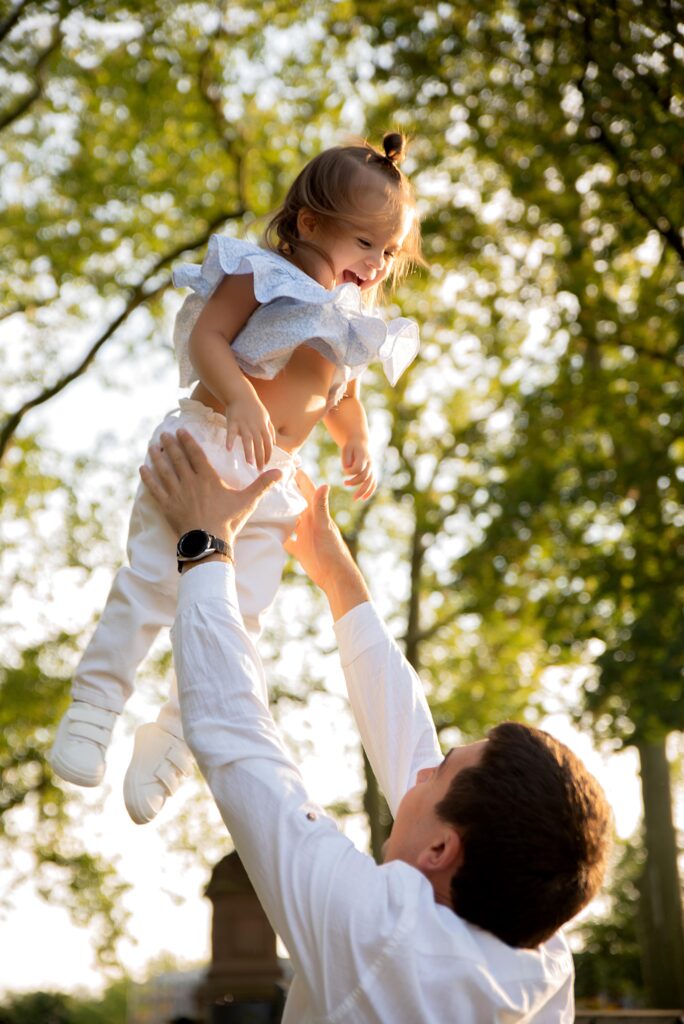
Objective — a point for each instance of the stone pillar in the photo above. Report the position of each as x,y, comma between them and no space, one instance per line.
245,980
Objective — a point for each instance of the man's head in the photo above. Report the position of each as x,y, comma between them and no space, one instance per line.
513,832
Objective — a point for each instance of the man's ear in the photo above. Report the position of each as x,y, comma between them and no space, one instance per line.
306,222
444,854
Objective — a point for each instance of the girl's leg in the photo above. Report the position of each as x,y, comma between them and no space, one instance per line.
141,601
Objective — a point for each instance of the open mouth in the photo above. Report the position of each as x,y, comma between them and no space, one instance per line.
349,277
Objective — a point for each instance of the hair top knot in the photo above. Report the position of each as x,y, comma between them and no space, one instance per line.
394,145
330,186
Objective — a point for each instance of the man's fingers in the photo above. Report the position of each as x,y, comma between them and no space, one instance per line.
195,454
252,495
175,453
152,484
320,501
258,487
164,470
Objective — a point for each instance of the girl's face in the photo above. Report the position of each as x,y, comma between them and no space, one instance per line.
360,255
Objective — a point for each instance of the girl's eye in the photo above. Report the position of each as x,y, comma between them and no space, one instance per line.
364,242
390,255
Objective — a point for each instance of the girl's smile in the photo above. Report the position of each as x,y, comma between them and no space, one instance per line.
360,252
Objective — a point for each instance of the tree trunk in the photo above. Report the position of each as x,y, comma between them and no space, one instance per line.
377,811
374,803
662,947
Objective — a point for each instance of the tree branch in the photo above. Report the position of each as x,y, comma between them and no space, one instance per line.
412,634
658,221
649,353
230,138
352,537
210,94
25,102
662,98
138,296
429,632
12,18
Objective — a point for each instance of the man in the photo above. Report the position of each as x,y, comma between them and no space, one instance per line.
493,846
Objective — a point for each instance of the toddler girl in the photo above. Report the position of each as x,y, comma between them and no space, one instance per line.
276,338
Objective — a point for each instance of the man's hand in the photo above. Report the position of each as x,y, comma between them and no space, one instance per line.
191,494
318,545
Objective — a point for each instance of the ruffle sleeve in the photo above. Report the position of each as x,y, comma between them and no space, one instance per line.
294,310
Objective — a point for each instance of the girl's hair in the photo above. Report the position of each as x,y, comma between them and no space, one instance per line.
328,186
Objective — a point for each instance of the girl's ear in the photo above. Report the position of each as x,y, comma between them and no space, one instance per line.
306,223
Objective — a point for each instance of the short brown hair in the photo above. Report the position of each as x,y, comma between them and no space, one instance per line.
536,831
327,186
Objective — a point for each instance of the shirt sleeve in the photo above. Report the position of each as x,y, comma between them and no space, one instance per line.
336,910
388,703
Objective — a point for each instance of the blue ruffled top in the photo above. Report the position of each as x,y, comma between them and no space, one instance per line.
294,310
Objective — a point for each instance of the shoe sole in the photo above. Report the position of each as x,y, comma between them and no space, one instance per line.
69,774
134,812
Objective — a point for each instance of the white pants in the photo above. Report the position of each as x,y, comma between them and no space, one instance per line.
142,599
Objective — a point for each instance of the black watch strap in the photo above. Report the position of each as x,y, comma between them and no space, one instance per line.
199,544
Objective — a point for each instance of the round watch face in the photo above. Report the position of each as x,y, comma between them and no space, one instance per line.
193,543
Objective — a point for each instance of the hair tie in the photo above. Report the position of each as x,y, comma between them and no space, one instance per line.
394,145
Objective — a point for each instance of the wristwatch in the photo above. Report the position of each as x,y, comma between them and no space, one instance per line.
198,544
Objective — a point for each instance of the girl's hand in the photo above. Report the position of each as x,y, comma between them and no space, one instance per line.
356,461
248,419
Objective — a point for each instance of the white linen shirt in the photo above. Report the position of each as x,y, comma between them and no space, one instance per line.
368,943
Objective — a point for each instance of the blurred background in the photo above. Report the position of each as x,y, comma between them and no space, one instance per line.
526,540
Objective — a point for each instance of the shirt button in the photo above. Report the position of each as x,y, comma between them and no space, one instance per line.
311,815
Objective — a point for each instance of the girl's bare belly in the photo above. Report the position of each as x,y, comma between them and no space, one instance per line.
296,399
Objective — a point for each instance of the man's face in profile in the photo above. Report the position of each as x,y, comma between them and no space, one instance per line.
417,822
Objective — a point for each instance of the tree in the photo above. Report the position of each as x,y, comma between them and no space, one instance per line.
57,1008
571,117
537,518
609,966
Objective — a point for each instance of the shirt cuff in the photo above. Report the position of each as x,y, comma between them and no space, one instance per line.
358,630
209,581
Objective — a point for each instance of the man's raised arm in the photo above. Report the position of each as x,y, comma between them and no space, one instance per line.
337,912
386,695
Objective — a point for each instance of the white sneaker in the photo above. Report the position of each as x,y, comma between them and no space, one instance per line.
159,764
83,735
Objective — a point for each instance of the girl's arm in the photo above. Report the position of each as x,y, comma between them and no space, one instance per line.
223,317
347,425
